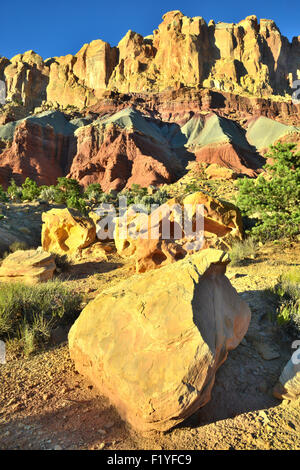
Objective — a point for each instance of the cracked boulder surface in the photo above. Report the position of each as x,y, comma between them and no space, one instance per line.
153,343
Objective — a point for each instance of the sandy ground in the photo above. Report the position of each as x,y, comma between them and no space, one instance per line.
46,404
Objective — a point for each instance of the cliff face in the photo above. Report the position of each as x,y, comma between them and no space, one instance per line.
219,94
245,58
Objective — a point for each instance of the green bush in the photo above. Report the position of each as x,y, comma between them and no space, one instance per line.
69,186
274,197
14,191
30,190
93,192
30,312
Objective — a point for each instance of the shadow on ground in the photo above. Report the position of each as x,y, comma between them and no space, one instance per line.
84,270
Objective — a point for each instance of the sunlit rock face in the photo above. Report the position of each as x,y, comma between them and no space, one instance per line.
250,57
153,343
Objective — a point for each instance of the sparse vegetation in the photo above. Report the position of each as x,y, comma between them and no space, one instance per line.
242,250
29,313
287,297
3,195
14,191
70,193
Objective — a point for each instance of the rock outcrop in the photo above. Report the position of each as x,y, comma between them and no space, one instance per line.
249,57
40,147
65,231
153,344
26,77
123,149
28,267
175,229
192,90
288,386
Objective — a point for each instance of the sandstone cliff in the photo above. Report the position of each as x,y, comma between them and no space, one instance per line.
215,93
249,57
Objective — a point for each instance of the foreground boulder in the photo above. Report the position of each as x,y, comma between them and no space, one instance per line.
288,386
144,235
65,231
153,343
29,267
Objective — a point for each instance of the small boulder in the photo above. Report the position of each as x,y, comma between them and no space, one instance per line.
66,231
152,344
29,267
288,386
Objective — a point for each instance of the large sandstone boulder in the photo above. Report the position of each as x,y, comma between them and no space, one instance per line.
153,343
143,236
29,267
65,231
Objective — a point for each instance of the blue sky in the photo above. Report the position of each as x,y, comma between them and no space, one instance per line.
54,28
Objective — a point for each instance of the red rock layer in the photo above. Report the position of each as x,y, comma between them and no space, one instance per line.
36,152
118,159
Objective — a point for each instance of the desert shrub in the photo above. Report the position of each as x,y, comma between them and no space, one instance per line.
137,195
30,190
78,203
69,192
30,312
69,185
274,197
193,187
3,195
15,246
14,191
158,198
241,250
287,295
48,193
62,262
93,192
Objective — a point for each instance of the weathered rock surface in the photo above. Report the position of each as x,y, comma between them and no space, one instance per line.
123,149
163,237
288,386
248,57
153,344
40,147
26,77
204,86
29,267
20,223
65,231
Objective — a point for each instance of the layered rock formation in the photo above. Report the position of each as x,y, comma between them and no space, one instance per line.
153,343
28,267
40,147
123,149
191,90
